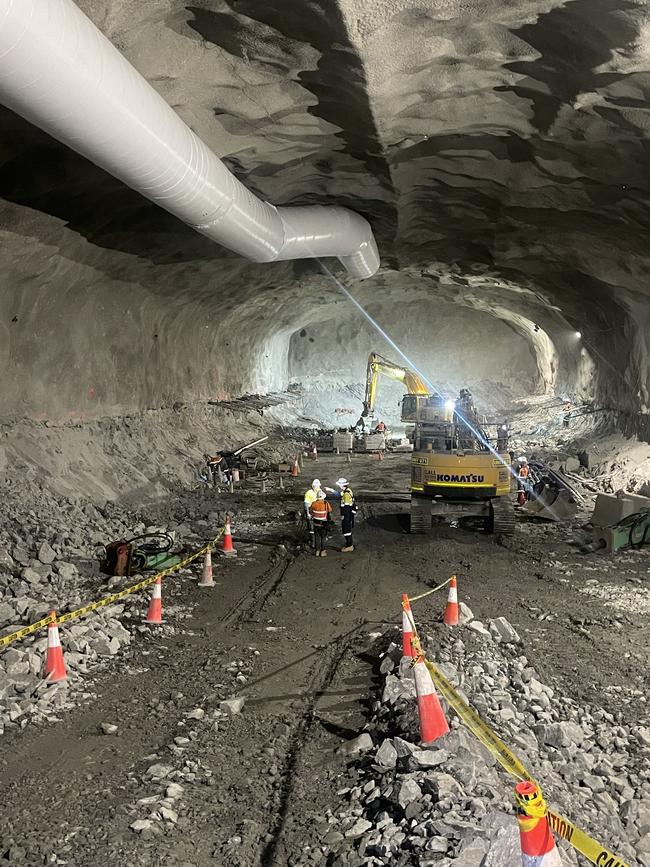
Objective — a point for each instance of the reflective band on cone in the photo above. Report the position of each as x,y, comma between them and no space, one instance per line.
538,847
314,454
206,577
407,628
295,469
451,611
55,670
227,547
154,615
433,723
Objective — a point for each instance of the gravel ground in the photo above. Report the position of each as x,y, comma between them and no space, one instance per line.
144,760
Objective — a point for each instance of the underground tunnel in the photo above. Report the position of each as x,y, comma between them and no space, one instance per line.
214,216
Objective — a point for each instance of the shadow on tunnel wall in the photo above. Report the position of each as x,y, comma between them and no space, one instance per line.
573,40
41,174
338,83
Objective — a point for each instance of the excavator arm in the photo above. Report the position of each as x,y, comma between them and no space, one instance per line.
378,365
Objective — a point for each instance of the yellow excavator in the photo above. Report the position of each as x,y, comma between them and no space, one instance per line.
377,365
454,474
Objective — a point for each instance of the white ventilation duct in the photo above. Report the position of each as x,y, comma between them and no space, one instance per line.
60,73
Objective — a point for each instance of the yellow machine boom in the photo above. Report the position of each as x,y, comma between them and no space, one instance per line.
378,365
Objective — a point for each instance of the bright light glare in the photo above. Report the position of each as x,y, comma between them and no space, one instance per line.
578,334
450,404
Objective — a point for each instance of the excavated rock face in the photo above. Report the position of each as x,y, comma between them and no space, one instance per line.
499,150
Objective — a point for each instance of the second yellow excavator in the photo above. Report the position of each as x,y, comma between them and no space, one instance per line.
377,365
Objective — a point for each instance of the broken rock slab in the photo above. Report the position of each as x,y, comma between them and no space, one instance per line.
386,756
46,554
361,744
502,631
232,706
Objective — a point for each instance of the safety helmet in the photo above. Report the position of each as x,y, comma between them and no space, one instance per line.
342,483
523,460
316,484
321,495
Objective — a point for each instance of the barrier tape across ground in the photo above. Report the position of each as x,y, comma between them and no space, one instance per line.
106,600
581,842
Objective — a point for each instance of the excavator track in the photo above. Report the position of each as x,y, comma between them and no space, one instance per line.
502,519
420,515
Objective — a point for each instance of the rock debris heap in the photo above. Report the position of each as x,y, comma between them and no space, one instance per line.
44,568
451,803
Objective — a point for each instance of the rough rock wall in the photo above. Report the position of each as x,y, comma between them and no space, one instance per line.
453,347
500,153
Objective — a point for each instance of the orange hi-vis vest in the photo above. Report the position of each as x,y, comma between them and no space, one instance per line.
523,472
320,509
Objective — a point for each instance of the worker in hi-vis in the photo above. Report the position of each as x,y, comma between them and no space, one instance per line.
320,511
348,511
310,497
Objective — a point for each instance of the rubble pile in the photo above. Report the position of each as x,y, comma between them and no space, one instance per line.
45,568
450,803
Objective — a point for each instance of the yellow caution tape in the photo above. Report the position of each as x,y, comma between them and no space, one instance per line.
106,600
429,592
581,842
482,730
27,630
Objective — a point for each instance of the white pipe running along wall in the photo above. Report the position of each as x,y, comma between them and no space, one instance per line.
63,75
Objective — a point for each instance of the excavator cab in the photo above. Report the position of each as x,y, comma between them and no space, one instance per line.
454,472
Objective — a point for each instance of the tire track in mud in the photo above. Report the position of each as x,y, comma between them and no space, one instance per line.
321,680
273,576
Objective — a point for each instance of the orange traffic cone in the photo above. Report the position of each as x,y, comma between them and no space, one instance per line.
314,453
380,456
228,548
450,617
433,723
408,633
538,847
295,468
521,498
206,578
154,614
55,670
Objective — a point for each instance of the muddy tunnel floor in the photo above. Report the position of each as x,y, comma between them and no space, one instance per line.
292,635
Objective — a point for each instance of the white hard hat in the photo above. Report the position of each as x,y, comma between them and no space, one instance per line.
316,484
523,460
342,483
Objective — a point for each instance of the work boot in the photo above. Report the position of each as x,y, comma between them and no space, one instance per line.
347,548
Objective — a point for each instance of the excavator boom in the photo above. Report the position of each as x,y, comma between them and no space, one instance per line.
378,365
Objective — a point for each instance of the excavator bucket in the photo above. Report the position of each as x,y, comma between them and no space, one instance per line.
551,504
